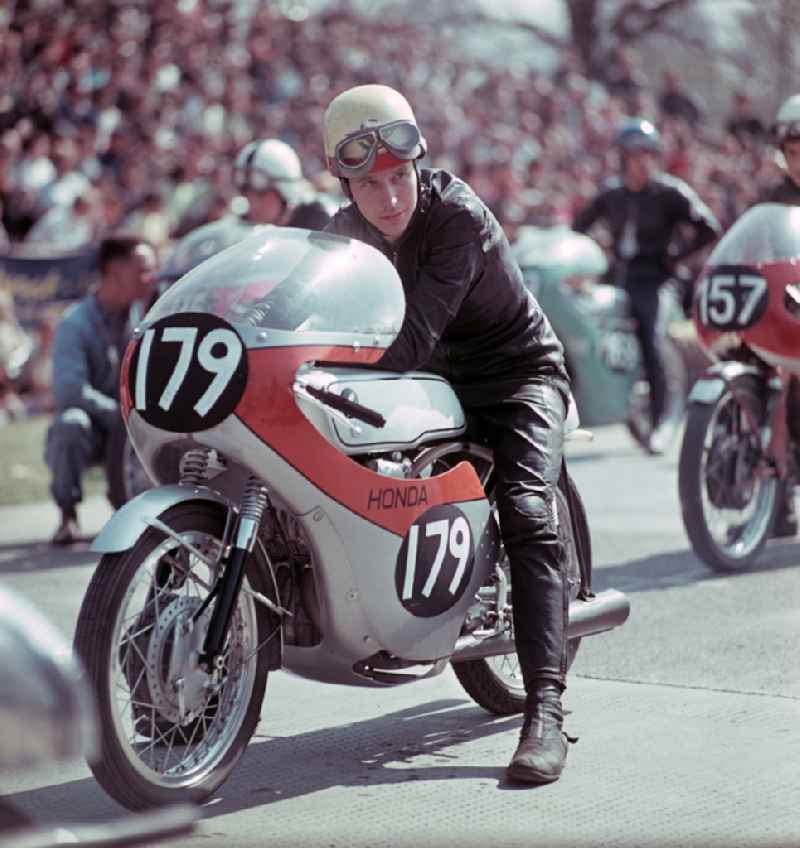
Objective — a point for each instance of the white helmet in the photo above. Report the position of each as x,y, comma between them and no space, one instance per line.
363,119
787,121
270,164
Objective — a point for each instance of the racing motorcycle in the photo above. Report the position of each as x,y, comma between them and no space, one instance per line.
565,271
740,446
313,513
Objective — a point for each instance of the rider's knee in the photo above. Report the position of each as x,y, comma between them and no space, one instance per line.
528,517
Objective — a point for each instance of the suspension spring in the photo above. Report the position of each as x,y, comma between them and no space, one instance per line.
194,465
254,501
256,315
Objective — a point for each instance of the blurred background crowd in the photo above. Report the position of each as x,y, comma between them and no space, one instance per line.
129,115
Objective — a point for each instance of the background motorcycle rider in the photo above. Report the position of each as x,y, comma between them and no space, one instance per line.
470,318
269,177
89,343
645,211
786,136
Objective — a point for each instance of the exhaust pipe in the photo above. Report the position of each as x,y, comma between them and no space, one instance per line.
604,611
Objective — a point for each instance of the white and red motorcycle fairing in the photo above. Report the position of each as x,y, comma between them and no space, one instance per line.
438,533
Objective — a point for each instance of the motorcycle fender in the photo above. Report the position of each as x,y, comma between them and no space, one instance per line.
128,523
709,387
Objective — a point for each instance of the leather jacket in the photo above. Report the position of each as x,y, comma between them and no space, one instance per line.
469,316
644,227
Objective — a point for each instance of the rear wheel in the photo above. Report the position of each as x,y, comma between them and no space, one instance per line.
729,497
170,730
496,683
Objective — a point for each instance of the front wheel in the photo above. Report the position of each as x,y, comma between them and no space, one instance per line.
729,499
496,683
171,731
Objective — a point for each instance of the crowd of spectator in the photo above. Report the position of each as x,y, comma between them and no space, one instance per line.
129,115
132,112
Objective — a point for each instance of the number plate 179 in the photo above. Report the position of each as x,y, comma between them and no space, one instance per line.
188,372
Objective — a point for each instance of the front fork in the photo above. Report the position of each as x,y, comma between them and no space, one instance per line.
229,583
775,439
778,448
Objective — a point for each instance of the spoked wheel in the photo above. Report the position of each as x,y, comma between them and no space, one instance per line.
496,683
171,731
639,420
729,499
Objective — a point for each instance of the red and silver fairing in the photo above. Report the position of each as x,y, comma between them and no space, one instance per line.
225,359
749,291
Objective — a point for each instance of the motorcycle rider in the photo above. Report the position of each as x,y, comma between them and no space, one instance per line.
470,319
644,209
89,343
786,137
269,177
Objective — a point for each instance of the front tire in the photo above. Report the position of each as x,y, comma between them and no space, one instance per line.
170,732
728,503
496,683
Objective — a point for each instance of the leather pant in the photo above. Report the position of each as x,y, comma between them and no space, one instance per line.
526,434
645,306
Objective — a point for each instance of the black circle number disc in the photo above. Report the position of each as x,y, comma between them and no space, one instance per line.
435,562
732,297
188,372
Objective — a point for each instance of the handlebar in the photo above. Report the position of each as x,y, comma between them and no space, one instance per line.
349,408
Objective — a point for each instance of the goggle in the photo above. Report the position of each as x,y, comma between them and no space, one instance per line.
786,130
355,154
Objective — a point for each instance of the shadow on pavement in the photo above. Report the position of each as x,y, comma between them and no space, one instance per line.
375,751
596,454
681,568
20,557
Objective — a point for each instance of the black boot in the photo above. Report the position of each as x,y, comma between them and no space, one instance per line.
542,749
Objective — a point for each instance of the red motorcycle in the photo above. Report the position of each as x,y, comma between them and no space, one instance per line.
741,446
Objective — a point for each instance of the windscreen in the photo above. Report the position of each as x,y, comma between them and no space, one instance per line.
766,233
284,278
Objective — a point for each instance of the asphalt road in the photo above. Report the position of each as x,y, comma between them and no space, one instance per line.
688,716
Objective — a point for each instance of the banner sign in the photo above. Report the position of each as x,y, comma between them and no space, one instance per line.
42,280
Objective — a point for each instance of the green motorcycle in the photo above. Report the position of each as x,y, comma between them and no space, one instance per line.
565,272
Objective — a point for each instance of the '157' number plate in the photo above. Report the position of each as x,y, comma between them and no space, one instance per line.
731,297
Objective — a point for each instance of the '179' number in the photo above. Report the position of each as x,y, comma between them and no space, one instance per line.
219,353
453,539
